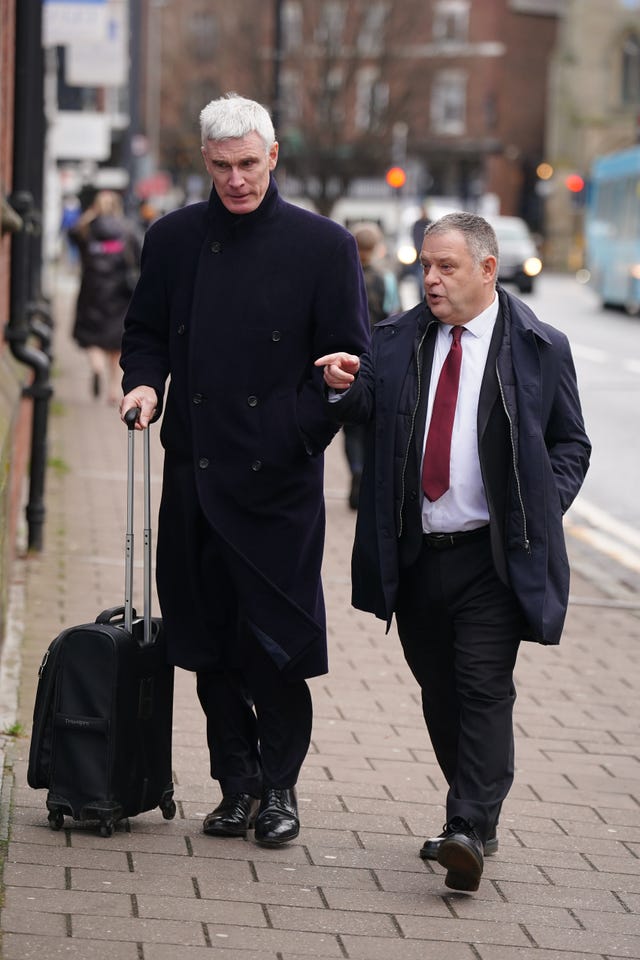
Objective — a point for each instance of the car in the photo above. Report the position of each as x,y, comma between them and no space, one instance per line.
520,262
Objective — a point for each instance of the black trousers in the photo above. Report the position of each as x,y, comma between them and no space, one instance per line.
258,722
460,628
258,725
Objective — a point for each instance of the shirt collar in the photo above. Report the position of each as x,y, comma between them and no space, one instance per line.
484,322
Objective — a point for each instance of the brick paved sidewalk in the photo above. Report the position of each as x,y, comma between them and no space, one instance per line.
565,884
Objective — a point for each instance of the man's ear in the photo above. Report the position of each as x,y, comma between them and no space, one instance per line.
489,267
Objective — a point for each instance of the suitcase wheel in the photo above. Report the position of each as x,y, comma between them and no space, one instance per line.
106,828
168,809
56,819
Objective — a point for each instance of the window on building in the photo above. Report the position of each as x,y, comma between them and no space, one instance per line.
490,106
290,97
372,98
331,27
449,102
631,69
203,34
451,21
371,35
291,25
331,99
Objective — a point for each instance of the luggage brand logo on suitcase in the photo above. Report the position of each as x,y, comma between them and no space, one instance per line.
95,724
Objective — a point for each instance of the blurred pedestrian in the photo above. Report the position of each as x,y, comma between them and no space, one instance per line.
236,297
381,300
478,449
417,233
71,213
147,213
109,248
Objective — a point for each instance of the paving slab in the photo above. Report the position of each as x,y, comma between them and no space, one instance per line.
565,884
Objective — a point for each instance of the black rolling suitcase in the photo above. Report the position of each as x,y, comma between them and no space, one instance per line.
101,740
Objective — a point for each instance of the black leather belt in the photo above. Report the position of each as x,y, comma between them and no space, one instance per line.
443,541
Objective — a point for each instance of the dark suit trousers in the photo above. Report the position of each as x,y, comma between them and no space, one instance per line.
460,629
258,722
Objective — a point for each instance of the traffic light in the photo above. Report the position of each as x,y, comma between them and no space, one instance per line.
396,177
576,186
574,183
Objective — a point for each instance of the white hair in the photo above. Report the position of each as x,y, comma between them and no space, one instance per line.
232,116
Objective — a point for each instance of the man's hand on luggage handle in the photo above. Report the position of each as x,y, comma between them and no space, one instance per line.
146,399
340,369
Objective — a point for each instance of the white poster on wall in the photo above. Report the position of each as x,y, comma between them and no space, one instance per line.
103,62
80,135
68,21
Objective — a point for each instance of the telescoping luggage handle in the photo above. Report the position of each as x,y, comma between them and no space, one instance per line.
131,418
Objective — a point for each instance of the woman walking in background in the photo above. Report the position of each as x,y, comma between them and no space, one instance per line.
109,248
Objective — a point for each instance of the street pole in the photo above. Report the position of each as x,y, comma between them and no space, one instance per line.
133,130
26,250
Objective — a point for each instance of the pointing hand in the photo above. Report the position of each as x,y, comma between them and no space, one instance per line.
340,369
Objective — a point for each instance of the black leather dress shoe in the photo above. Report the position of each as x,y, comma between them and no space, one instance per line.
234,815
429,849
277,821
461,855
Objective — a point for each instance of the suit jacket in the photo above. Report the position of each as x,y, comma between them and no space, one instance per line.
532,445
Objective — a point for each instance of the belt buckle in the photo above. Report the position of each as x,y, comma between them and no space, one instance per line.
442,540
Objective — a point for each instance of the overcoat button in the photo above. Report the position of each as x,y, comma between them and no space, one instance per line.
252,401
197,398
181,329
275,336
256,465
216,247
203,463
413,495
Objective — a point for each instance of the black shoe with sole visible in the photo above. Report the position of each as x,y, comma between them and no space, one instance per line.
234,815
429,849
277,821
461,855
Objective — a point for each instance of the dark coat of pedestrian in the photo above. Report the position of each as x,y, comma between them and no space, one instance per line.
370,243
475,565
236,298
109,247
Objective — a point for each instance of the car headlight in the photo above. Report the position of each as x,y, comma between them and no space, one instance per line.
532,266
407,254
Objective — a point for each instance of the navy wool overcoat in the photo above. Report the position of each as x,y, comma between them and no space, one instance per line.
233,310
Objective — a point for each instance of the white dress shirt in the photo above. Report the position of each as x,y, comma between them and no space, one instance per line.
464,505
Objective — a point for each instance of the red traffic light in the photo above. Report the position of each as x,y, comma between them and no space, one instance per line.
574,183
396,177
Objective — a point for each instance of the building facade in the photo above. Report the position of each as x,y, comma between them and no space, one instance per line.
593,109
454,91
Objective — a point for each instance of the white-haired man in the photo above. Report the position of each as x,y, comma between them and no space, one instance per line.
235,299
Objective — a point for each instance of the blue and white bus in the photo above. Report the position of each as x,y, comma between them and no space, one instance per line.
612,229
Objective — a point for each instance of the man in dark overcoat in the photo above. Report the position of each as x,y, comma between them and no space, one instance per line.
459,529
235,299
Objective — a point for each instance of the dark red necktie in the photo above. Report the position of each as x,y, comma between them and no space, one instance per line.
437,454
